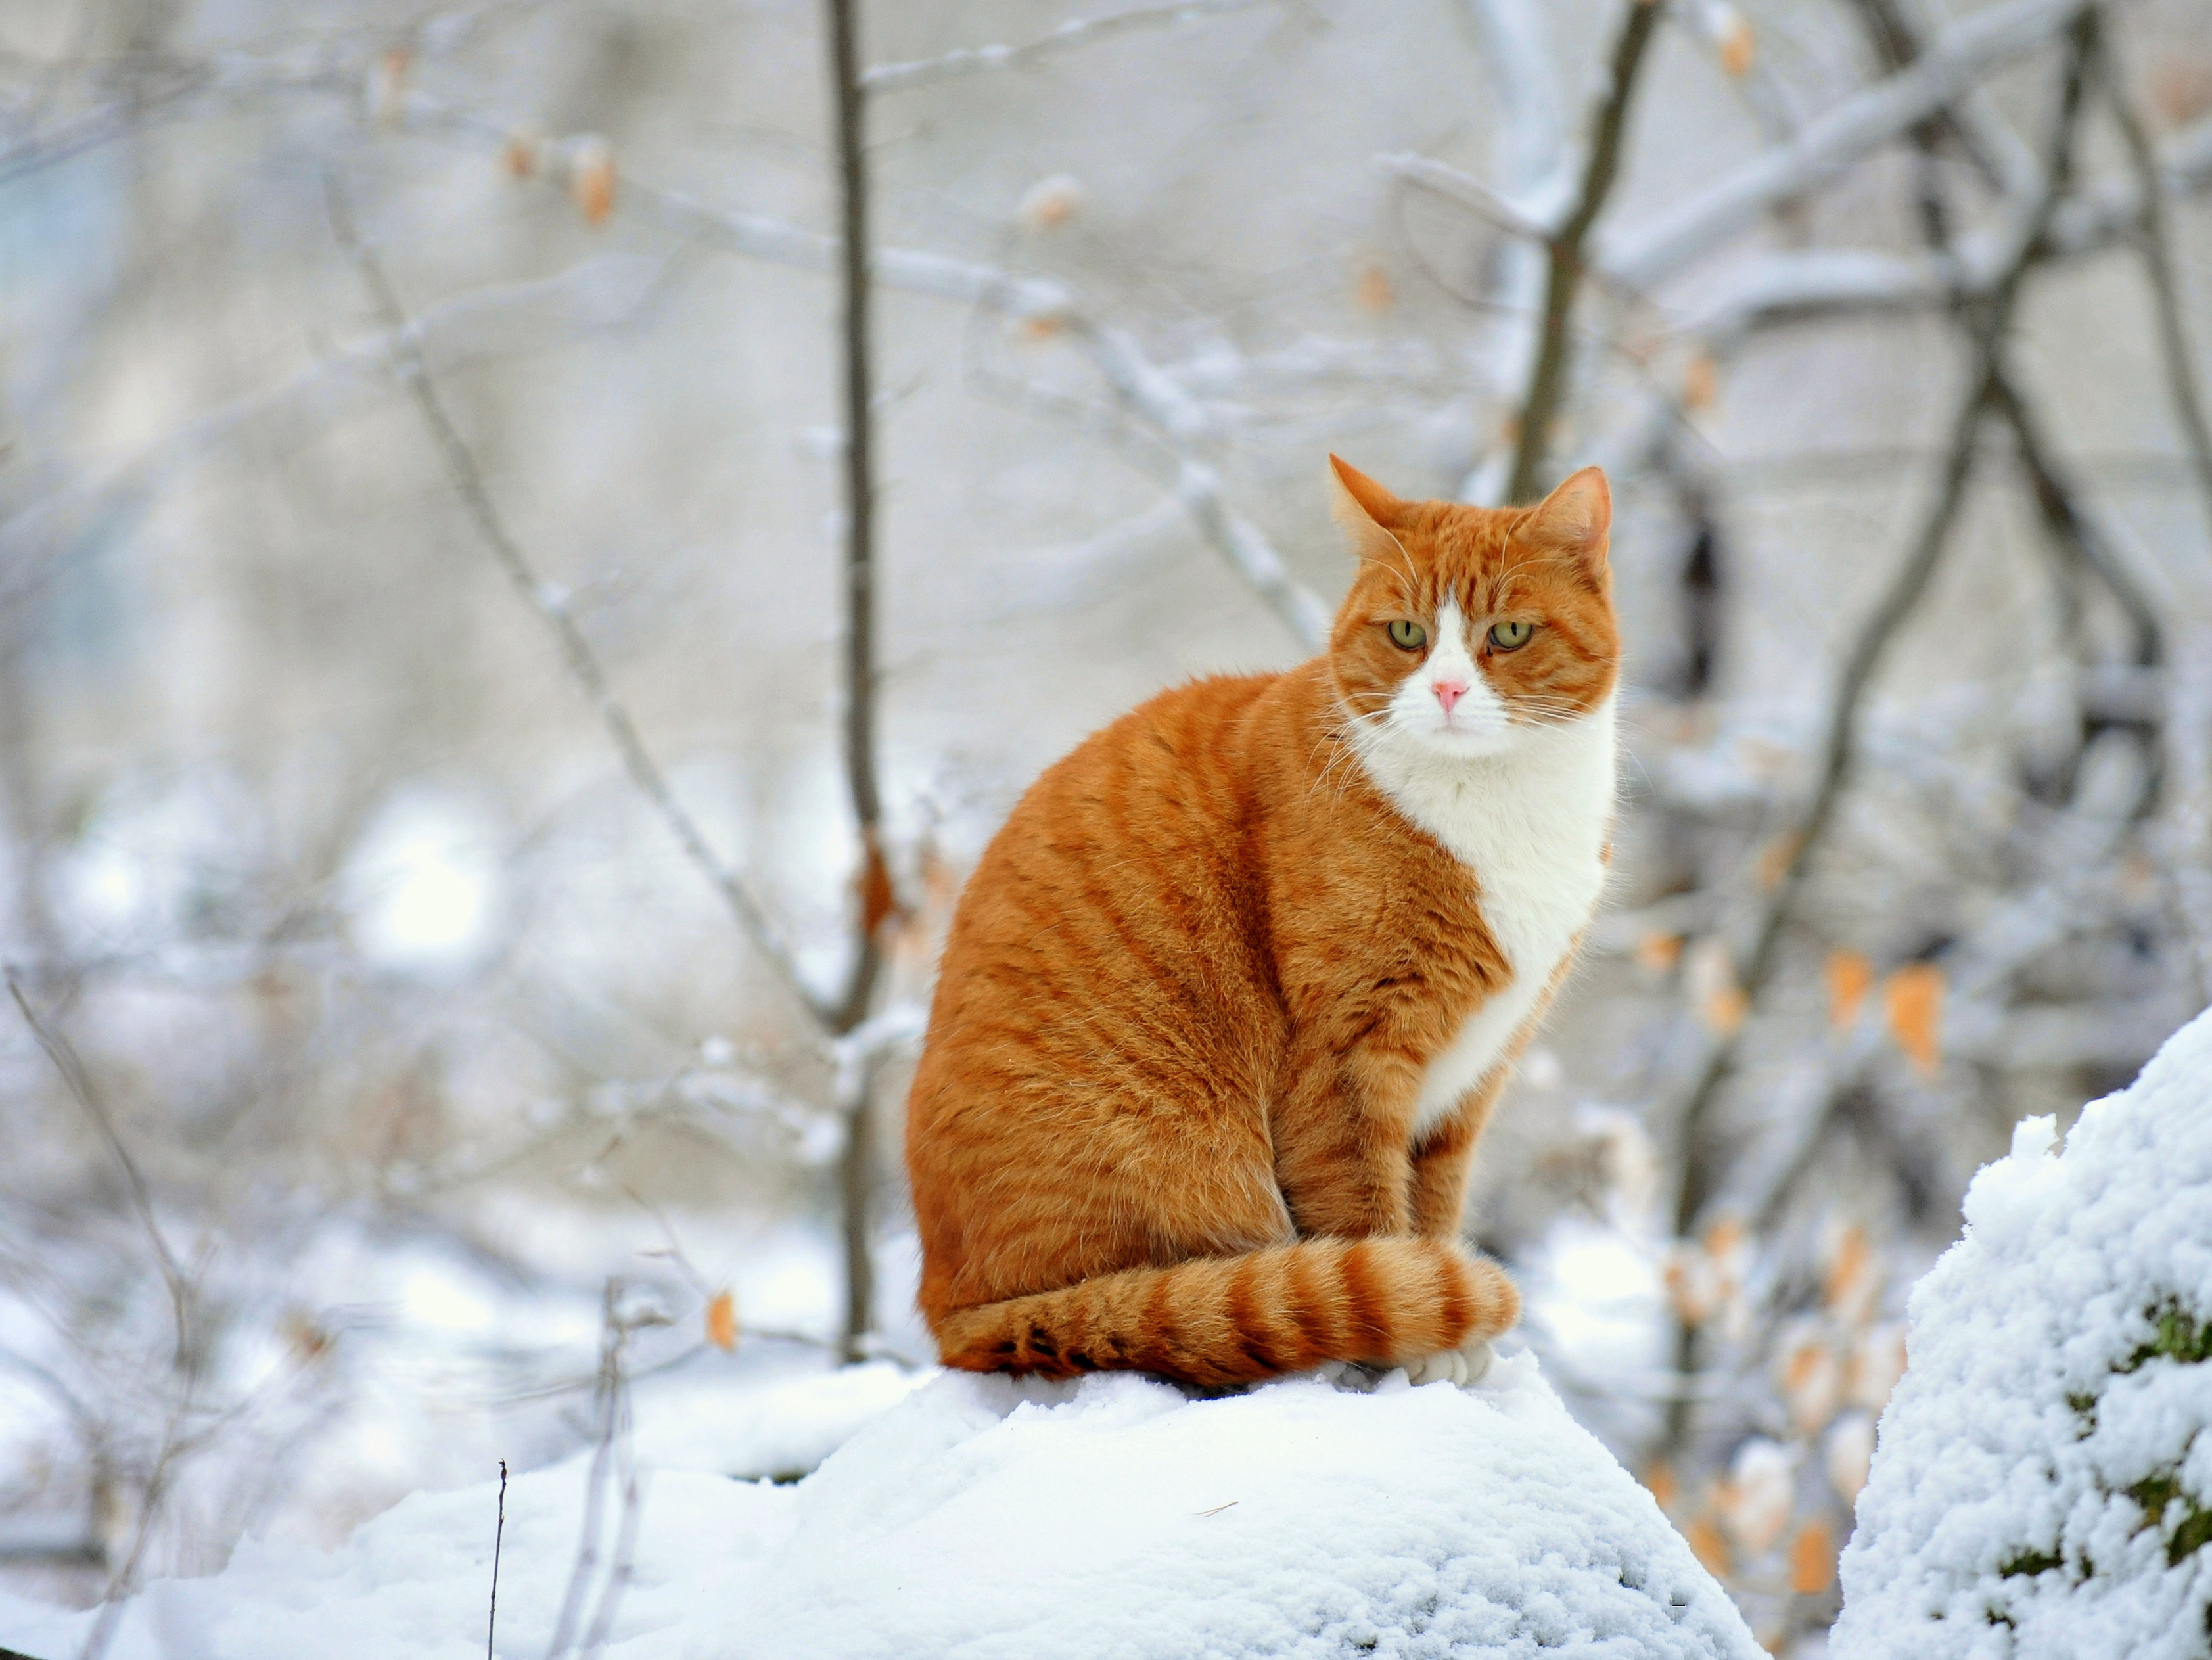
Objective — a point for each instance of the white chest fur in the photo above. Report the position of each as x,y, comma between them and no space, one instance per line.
1530,825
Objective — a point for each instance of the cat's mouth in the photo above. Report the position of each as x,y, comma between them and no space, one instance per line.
1460,737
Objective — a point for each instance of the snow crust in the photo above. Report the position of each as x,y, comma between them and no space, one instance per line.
2042,1483
980,1516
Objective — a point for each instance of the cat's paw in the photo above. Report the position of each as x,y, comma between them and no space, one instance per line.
1462,1367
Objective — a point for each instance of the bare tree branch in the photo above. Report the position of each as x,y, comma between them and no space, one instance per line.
583,662
1493,206
86,1094
2156,243
1547,381
1643,256
605,291
1177,424
860,583
875,898
1070,36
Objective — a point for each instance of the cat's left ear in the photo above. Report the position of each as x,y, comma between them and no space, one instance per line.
1573,522
1368,513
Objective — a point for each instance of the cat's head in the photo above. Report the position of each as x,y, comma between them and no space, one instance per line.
1468,630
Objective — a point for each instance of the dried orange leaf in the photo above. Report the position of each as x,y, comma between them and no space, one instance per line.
722,1321
1658,951
1707,1545
1776,858
1051,203
1812,1386
879,899
591,178
387,86
1725,1236
1709,976
1735,47
1851,1284
1659,1480
519,153
1813,1559
1914,1003
1689,1280
1851,977
1701,382
1373,291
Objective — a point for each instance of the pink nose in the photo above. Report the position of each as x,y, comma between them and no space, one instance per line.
1447,692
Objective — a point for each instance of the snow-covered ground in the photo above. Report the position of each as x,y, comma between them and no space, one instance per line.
980,1516
2043,1483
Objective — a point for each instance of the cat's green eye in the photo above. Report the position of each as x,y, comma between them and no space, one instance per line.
1408,636
1510,636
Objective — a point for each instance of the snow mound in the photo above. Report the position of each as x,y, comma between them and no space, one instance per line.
982,1517
780,1428
2043,1483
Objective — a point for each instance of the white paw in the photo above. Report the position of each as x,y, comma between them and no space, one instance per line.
1462,1367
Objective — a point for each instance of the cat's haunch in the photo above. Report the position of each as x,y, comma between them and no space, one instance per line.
1231,992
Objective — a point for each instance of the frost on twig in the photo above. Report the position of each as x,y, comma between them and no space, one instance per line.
1646,254
1070,36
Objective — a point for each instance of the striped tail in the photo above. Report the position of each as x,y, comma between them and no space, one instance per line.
1244,1319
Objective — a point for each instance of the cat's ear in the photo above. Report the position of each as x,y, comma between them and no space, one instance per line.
1573,522
1368,513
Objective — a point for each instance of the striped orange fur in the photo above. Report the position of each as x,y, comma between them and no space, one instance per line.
1231,992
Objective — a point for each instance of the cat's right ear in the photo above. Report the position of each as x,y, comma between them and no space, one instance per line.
1368,513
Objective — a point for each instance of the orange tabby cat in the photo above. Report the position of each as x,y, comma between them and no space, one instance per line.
1229,997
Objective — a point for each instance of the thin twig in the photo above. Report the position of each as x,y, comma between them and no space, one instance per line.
625,1562
2059,502
498,1539
610,1403
1547,379
583,662
2154,238
1068,37
856,1177
86,1094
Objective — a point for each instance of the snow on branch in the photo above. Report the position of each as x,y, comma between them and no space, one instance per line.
1070,36
1645,255
1469,192
1175,421
1532,146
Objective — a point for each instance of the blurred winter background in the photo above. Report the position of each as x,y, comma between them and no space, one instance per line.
454,857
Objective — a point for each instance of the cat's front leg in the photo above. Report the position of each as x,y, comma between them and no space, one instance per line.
1342,1158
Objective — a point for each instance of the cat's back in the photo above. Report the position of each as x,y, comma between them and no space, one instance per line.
1117,919
1139,821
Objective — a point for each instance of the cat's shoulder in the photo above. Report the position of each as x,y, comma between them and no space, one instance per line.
1179,723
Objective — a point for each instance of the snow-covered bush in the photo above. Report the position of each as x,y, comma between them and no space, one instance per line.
2042,1482
978,1516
